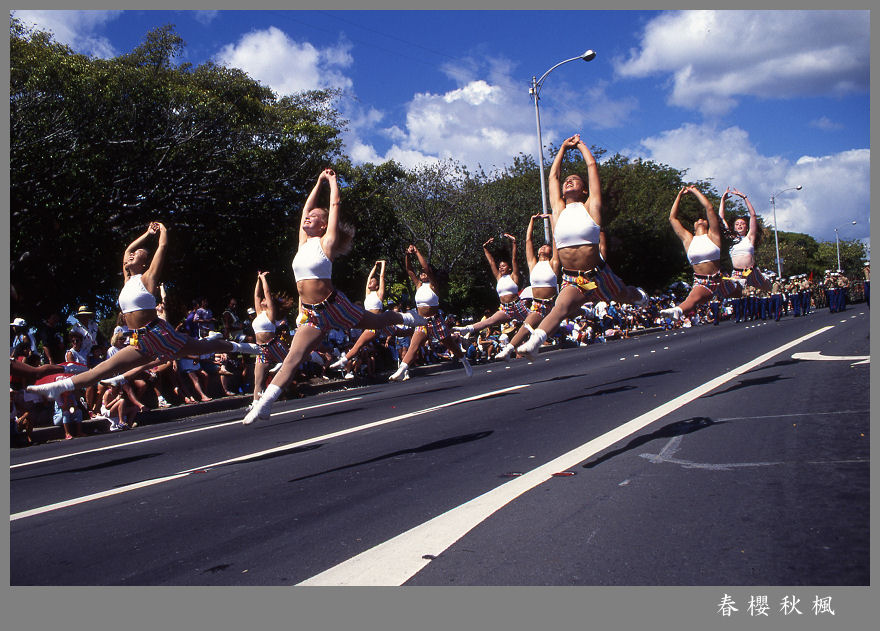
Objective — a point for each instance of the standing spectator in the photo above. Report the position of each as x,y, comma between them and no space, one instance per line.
87,327
20,338
867,271
233,326
204,319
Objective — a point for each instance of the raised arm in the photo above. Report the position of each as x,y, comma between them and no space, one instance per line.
681,232
531,256
370,277
554,183
311,203
408,266
258,294
381,291
328,241
711,214
426,267
270,304
514,266
753,216
721,209
594,201
491,259
135,245
150,278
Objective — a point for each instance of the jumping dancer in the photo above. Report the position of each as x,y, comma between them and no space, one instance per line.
742,250
152,337
512,307
576,223
322,238
703,248
543,276
272,349
374,303
428,306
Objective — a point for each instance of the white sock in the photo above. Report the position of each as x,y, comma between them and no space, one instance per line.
271,393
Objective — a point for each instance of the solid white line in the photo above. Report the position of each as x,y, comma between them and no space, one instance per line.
259,454
174,435
397,560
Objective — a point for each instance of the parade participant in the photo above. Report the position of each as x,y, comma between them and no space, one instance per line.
428,307
322,238
577,229
512,307
152,337
703,248
867,272
373,302
272,349
543,276
743,241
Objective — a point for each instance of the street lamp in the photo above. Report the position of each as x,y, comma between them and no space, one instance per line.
775,229
534,90
837,238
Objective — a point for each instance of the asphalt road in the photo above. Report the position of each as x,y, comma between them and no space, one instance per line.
729,455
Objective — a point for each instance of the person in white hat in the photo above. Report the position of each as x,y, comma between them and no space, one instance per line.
21,337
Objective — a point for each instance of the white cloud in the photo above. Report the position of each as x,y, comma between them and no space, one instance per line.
715,57
285,65
825,124
74,28
205,17
836,187
489,118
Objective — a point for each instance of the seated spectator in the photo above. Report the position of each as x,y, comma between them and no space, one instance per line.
21,427
68,412
118,409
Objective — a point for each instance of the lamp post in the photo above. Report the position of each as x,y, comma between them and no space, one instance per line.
775,228
534,90
837,238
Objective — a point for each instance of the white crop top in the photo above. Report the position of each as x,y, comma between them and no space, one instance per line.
135,297
742,246
575,226
262,324
372,302
542,275
506,286
311,262
425,296
702,250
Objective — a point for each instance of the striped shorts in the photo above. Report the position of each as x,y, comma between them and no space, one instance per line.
436,327
542,306
158,339
718,285
336,312
751,276
273,351
599,283
515,310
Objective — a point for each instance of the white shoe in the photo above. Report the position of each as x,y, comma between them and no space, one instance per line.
348,375
506,353
465,331
530,347
340,363
53,389
162,402
467,367
643,301
118,380
673,312
401,374
258,411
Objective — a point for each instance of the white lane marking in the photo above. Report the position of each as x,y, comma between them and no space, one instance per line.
674,444
174,435
398,559
749,418
259,454
818,356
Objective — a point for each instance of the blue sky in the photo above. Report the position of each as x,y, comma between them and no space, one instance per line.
757,100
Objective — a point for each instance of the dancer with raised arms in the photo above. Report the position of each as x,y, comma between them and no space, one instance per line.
577,231
152,336
322,238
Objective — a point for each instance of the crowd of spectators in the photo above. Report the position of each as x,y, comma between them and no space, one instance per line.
78,341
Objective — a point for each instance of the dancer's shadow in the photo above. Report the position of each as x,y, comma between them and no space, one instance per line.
440,444
94,467
679,428
747,383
